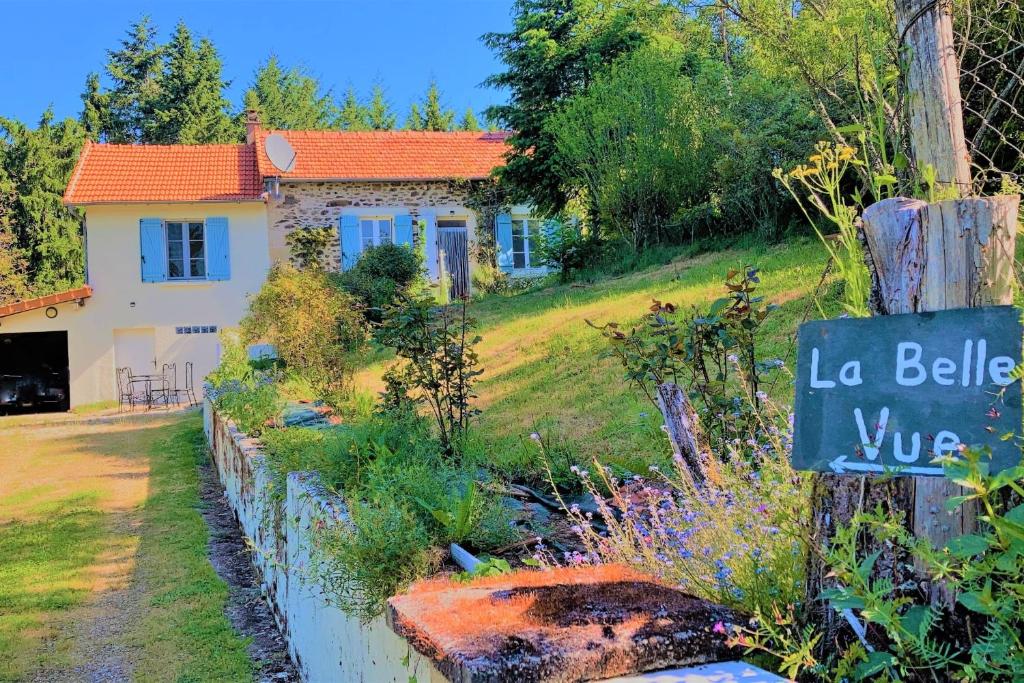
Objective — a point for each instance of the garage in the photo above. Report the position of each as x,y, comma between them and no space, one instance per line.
34,373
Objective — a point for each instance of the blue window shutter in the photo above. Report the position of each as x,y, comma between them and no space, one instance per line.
350,242
403,230
153,250
218,252
429,236
503,239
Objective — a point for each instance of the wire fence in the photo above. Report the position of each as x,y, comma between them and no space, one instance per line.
989,38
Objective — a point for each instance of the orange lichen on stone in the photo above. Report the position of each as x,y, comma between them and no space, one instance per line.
569,624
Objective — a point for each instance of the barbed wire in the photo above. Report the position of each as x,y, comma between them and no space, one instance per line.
989,37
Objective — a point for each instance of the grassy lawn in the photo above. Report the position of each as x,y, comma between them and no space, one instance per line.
104,550
542,366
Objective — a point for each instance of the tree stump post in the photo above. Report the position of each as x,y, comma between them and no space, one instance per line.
955,253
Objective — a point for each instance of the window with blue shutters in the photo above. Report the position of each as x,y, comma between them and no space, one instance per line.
181,250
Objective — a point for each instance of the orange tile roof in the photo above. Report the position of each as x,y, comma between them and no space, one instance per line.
108,173
387,155
83,292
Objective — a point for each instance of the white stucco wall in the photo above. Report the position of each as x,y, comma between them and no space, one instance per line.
121,300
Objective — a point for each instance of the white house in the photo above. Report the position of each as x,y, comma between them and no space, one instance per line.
177,237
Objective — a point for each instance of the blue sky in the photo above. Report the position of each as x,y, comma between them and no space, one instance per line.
401,44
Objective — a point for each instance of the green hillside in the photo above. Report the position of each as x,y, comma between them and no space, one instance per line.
543,369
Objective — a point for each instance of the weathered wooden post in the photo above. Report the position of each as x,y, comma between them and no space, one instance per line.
953,253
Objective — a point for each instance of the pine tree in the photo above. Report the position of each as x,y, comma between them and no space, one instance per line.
95,109
290,100
191,107
379,114
414,121
354,115
37,164
435,117
469,121
135,72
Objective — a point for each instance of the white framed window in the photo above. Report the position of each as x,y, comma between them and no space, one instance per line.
186,250
524,229
375,231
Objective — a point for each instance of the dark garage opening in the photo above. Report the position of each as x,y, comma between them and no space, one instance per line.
34,375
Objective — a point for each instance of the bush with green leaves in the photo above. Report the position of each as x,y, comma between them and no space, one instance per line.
313,325
247,394
712,353
382,274
439,362
570,248
903,635
407,500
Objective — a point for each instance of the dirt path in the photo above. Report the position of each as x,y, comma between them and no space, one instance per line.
95,551
248,611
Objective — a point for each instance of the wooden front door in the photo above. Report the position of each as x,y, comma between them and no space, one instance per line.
453,244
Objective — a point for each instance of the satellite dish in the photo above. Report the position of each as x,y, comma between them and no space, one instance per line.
280,152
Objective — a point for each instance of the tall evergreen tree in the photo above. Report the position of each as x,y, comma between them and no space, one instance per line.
289,99
37,163
354,115
435,116
191,107
379,114
469,121
95,109
414,121
134,70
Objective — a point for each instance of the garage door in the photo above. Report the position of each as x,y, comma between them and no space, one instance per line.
34,372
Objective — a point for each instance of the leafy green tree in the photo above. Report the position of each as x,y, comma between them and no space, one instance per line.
353,115
469,121
289,99
633,141
95,109
191,107
435,116
379,114
134,70
36,166
414,121
552,53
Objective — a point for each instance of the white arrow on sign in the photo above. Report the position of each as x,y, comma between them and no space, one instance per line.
842,464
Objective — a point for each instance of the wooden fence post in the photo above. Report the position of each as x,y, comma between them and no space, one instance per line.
933,91
955,253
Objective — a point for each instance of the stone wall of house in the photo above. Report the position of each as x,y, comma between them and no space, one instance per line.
319,204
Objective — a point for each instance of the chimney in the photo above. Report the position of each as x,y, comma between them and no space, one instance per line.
252,126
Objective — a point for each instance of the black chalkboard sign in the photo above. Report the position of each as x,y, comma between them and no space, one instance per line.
891,393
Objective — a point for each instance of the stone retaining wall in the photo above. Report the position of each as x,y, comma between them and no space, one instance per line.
324,642
327,645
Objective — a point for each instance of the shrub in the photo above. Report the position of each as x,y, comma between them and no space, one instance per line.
313,325
437,345
736,542
380,275
571,249
245,393
384,550
711,352
407,502
905,636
